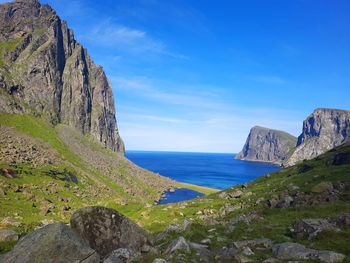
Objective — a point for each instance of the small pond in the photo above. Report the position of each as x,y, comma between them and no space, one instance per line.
180,194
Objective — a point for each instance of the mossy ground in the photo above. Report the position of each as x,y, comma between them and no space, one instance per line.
273,223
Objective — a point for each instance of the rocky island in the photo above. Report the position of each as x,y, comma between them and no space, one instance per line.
267,145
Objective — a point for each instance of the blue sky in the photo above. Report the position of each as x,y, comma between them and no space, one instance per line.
197,75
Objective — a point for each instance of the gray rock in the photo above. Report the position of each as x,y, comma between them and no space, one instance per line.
297,251
341,221
267,145
226,254
7,235
323,130
202,251
54,243
310,228
178,244
56,76
105,230
120,255
159,260
263,243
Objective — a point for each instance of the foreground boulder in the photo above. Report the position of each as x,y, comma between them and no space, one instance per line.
105,230
297,251
53,243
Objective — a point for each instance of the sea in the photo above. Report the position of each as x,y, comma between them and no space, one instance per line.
215,170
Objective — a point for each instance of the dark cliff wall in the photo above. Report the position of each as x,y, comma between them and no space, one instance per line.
323,130
45,71
267,145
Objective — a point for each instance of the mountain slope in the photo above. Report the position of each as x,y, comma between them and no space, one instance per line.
267,145
45,71
261,214
323,130
48,171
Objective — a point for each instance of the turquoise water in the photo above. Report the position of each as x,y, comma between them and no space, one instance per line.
181,194
216,170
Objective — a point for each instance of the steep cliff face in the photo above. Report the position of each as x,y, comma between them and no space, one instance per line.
323,130
267,145
45,71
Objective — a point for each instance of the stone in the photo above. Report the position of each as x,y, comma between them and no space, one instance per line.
284,201
323,130
187,224
159,260
55,243
10,221
105,230
262,243
310,228
202,250
297,251
178,244
242,259
247,251
205,241
341,221
120,255
226,254
235,194
322,187
267,145
7,235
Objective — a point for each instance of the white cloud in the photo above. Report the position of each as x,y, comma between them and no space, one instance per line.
120,37
270,79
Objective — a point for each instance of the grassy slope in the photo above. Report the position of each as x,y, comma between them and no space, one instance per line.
274,222
94,187
92,184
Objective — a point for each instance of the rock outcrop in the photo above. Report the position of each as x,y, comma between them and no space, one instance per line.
323,130
105,230
45,71
267,145
52,243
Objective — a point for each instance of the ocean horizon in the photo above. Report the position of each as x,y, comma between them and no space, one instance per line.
215,170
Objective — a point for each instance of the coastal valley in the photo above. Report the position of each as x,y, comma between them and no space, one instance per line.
69,194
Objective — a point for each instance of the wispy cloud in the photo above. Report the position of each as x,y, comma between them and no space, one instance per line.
110,34
176,95
270,79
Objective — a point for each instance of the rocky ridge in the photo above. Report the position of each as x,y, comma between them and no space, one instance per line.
44,71
267,145
323,130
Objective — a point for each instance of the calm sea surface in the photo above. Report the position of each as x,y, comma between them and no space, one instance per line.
214,170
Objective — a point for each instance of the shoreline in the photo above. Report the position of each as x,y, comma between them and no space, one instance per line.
198,188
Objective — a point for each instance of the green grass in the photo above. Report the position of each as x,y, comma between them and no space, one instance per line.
198,188
274,223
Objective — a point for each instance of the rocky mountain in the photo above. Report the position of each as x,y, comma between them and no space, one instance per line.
267,145
44,71
59,144
323,130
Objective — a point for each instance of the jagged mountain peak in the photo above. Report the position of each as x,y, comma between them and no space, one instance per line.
45,71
